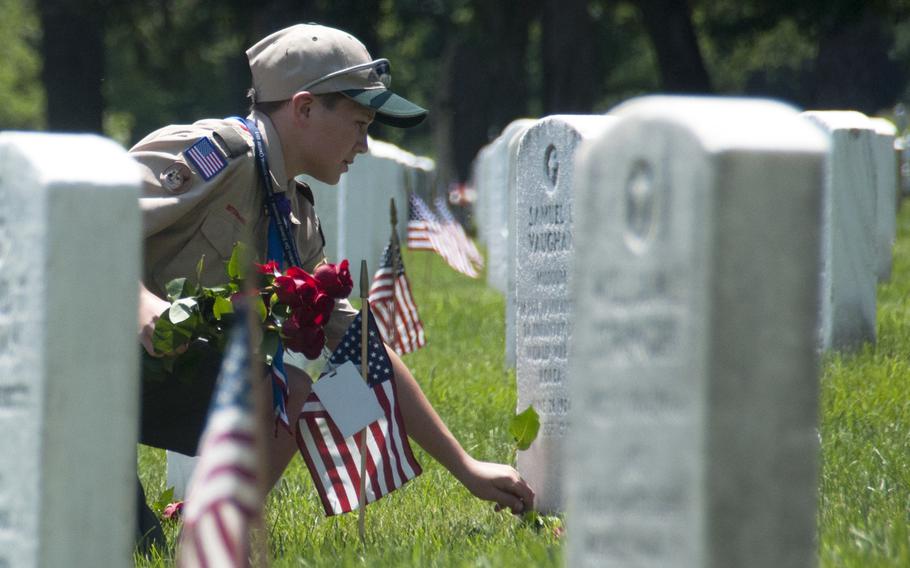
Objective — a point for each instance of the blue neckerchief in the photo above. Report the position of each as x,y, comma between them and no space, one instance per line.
280,240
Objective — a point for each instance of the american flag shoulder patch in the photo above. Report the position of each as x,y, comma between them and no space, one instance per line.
207,159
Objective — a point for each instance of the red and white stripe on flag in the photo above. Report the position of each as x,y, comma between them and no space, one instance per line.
224,496
334,461
393,305
441,239
458,232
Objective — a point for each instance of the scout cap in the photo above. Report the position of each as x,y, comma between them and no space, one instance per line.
319,59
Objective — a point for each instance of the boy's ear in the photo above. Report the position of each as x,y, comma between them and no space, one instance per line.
302,105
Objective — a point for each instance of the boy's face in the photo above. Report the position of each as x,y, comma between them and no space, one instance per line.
334,137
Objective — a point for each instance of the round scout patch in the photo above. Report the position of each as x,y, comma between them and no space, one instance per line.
175,176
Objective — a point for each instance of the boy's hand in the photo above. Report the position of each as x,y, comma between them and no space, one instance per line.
499,483
150,309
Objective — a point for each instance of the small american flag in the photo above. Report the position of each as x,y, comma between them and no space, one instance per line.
441,240
390,296
418,228
224,497
334,461
452,225
206,158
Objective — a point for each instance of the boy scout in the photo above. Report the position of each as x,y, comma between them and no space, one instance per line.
315,92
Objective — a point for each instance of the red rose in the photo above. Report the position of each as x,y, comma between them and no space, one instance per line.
270,268
296,287
303,337
335,280
173,510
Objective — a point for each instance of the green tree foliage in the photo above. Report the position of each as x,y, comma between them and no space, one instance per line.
21,92
477,65
174,61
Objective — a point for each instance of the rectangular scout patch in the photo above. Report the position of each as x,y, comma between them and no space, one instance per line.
206,158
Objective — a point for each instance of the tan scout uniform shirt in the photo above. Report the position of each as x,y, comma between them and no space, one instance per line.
185,217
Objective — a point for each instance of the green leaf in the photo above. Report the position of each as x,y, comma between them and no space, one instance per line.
222,306
269,344
182,310
524,428
165,499
241,260
175,289
168,336
260,308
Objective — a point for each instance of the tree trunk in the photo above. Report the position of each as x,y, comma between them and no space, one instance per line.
669,25
442,119
489,82
854,68
572,75
72,47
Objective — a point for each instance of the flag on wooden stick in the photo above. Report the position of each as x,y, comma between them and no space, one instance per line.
226,496
393,305
333,461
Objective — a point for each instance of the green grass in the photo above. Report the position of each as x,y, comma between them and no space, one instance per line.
864,490
864,485
433,520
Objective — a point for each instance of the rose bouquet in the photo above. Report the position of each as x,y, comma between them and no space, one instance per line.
293,306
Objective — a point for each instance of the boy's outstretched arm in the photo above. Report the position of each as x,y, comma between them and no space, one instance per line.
495,482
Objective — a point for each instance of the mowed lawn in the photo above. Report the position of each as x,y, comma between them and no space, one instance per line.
864,474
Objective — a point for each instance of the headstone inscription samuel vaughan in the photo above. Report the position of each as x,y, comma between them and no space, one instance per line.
69,272
693,369
544,241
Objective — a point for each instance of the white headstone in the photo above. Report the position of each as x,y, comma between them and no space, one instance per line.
544,237
849,254
480,179
363,203
326,198
511,249
886,182
354,215
180,469
69,387
693,372
498,171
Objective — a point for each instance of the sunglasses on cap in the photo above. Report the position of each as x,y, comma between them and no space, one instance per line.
381,67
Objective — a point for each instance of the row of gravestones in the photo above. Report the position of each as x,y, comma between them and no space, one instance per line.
676,267
677,305
864,156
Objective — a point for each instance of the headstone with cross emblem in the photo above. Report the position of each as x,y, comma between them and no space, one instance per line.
693,369
69,272
544,242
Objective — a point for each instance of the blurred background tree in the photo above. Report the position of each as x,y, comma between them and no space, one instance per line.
126,68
